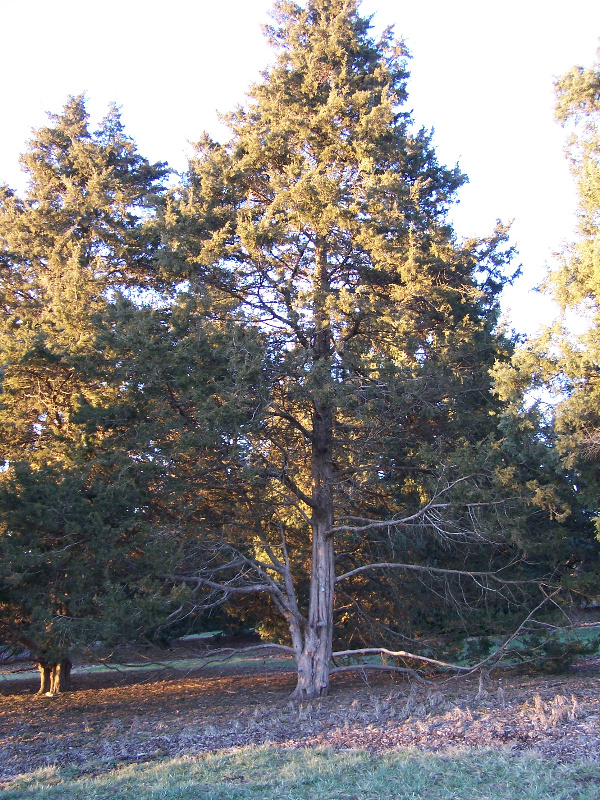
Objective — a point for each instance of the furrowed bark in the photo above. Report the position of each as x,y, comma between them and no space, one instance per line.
55,677
315,659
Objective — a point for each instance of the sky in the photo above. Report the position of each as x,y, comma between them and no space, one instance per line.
482,77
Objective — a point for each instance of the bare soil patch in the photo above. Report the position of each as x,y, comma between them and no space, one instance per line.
134,717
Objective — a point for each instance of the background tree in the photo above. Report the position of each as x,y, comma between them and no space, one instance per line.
79,233
324,218
552,386
72,514
575,286
79,564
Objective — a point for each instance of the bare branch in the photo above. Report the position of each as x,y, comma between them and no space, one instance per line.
435,571
223,587
495,656
463,671
428,515
388,523
230,652
375,651
381,668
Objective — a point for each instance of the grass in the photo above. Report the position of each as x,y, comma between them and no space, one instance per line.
584,636
182,664
270,773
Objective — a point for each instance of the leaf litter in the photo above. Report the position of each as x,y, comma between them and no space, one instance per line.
114,719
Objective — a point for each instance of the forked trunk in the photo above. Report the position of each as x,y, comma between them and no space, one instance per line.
54,678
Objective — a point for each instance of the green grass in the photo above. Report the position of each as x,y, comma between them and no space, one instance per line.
184,665
585,636
270,773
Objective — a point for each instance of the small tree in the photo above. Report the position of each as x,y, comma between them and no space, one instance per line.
324,218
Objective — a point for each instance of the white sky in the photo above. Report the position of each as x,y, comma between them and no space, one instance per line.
482,75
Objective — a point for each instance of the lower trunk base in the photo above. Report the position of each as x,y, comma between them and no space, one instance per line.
54,678
308,692
313,678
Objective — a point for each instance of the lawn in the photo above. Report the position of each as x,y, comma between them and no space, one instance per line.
272,773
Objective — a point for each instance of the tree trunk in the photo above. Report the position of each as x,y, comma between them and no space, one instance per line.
314,662
54,678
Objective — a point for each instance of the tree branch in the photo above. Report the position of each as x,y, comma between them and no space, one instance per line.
381,668
434,571
294,422
374,651
291,485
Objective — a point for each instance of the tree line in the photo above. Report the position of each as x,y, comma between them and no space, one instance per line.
275,391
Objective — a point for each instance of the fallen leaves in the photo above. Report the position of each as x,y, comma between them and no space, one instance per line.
106,723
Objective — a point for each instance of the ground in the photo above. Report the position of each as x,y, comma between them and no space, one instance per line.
116,718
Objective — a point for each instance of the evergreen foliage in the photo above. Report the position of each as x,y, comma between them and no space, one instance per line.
271,387
324,218
72,521
559,367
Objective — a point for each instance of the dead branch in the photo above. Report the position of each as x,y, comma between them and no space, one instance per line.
214,656
434,571
381,668
430,506
374,651
209,657
495,656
